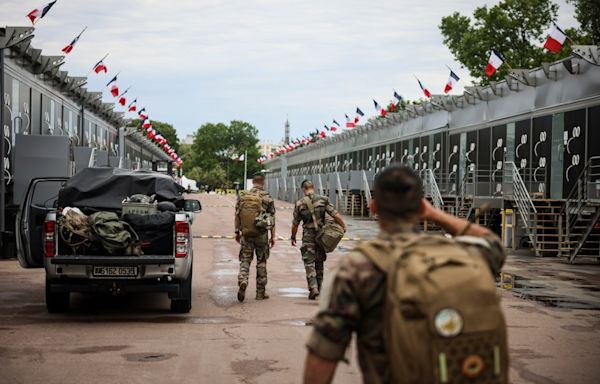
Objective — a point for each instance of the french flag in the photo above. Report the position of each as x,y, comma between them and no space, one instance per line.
114,89
146,124
358,113
38,13
142,114
556,39
100,67
122,99
382,112
335,126
495,61
452,81
132,107
425,90
66,50
349,123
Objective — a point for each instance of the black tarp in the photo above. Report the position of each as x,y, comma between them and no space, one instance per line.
105,188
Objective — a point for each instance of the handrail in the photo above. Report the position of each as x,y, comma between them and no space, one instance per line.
339,187
525,205
366,187
460,197
578,200
432,189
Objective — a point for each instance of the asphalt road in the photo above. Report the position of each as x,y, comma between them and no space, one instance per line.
135,339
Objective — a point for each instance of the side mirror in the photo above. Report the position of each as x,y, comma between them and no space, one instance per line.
191,205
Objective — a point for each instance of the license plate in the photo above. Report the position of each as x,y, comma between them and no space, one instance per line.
115,271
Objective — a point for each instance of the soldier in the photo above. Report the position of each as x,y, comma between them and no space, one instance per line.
254,218
353,299
313,255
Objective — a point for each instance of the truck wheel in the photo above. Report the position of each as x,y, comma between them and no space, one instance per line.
56,302
183,302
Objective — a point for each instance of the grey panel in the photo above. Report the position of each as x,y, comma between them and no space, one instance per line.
39,156
113,161
101,158
82,157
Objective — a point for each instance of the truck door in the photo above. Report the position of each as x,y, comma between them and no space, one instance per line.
41,197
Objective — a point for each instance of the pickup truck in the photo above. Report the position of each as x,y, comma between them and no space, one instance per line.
39,243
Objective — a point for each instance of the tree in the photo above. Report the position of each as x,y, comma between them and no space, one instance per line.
587,12
221,146
516,28
165,129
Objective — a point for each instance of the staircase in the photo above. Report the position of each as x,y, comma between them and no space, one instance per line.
580,222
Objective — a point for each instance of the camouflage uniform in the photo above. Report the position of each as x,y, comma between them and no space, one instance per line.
258,244
352,301
313,255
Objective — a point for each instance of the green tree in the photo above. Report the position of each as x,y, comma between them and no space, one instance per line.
516,28
220,146
587,12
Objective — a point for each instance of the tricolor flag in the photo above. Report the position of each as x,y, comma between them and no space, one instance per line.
146,124
397,97
495,61
122,99
38,13
556,39
349,123
358,113
452,81
425,90
382,112
114,89
100,67
66,50
335,126
132,107
142,114
323,134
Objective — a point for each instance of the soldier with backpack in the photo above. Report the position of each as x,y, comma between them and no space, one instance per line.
254,218
312,211
424,307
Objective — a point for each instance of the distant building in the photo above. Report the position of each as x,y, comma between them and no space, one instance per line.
266,147
188,139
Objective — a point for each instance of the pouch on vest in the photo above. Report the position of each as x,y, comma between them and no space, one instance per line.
329,234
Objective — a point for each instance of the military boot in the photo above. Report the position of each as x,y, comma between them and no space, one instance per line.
313,294
261,295
242,291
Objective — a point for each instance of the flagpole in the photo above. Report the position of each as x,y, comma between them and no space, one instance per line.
245,169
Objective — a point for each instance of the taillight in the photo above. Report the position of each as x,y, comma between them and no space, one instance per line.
182,231
49,238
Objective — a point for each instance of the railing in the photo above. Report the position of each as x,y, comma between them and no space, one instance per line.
468,178
525,205
366,188
431,188
585,190
340,192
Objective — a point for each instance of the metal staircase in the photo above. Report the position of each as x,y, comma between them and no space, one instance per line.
464,199
431,189
580,215
527,210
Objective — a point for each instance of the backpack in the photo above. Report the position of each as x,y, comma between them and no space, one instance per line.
443,320
329,234
112,233
249,208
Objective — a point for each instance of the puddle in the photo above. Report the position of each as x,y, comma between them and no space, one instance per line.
558,293
225,272
98,349
148,357
293,292
224,296
292,322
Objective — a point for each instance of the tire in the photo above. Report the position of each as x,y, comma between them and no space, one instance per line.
56,302
183,302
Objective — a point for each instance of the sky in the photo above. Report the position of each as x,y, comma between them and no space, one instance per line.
195,61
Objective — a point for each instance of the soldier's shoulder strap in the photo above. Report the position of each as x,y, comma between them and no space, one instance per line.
311,208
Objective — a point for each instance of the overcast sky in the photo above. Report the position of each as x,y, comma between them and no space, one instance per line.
196,61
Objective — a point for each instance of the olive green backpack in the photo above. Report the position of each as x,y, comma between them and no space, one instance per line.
329,234
254,221
116,236
442,314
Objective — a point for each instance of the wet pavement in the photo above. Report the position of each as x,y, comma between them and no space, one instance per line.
551,310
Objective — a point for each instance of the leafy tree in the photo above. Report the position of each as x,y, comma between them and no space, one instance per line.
516,28
587,12
220,146
214,177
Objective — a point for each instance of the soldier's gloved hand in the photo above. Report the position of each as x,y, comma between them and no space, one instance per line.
293,241
238,237
272,242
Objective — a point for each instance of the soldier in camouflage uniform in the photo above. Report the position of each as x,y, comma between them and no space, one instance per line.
353,298
313,255
260,244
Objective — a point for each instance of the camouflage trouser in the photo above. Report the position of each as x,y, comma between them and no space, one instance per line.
313,257
260,244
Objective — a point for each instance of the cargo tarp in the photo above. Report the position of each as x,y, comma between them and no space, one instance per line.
105,188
